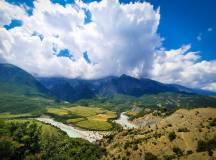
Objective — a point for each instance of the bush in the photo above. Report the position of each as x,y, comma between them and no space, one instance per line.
169,125
150,156
169,157
183,130
189,152
210,153
135,147
213,122
206,145
172,136
178,151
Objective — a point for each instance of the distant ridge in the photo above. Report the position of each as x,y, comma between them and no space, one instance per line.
75,89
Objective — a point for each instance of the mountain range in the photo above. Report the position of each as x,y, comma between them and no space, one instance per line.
15,80
75,89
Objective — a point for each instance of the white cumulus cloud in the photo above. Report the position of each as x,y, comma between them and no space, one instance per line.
184,67
121,38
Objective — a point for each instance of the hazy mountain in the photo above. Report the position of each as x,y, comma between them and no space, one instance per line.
15,80
74,89
68,89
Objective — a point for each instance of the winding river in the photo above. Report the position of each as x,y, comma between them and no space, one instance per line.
91,136
71,131
124,122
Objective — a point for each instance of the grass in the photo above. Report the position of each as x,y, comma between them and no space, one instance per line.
8,115
74,120
46,129
57,111
85,111
130,113
92,124
104,116
91,118
19,104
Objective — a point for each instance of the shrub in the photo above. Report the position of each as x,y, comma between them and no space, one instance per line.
213,122
210,153
135,147
172,136
178,151
169,157
189,152
183,130
150,156
206,145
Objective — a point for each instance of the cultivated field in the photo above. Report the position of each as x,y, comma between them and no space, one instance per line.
91,118
8,115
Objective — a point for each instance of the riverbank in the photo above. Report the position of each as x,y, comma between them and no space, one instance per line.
73,132
123,120
91,136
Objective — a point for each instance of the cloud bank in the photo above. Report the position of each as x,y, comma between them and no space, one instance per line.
181,66
115,39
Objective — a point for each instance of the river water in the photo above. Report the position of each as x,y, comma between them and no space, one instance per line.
91,136
124,122
71,131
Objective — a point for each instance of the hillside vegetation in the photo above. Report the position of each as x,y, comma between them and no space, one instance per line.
21,93
185,134
17,81
120,103
17,104
28,139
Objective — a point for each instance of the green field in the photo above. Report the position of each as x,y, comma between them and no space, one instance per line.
91,118
94,124
57,111
74,120
8,115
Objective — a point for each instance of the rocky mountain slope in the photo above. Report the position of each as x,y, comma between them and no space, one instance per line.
186,134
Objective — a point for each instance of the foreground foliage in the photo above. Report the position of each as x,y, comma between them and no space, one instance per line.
33,140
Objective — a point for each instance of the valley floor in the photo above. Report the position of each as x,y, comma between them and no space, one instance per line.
184,134
73,132
91,136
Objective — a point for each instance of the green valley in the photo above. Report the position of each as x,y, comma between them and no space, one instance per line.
90,118
99,123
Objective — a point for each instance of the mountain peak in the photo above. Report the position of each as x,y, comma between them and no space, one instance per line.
126,76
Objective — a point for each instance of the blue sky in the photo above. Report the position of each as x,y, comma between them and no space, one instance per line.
13,23
183,20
